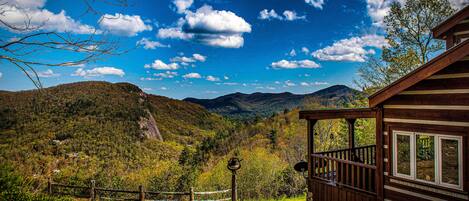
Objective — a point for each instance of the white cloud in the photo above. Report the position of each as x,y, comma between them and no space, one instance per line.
307,84
378,9
351,49
182,5
27,3
147,89
294,64
167,74
47,73
160,65
226,77
149,44
123,25
1,74
272,14
316,3
289,83
292,53
291,15
305,50
185,60
29,14
163,88
192,76
212,78
199,57
267,15
100,71
209,27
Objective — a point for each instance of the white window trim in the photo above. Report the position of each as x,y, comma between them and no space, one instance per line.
412,154
460,162
438,169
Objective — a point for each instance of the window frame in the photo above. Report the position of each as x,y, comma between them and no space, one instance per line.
438,158
412,150
460,162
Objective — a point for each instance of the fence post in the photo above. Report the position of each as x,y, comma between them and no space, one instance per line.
49,186
142,193
191,196
92,190
234,188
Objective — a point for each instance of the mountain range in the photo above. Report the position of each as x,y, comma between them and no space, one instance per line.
246,106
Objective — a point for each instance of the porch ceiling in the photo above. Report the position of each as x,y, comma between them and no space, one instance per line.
338,114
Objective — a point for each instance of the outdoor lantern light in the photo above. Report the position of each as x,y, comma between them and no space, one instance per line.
234,164
301,167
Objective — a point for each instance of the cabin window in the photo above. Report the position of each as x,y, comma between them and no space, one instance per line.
429,158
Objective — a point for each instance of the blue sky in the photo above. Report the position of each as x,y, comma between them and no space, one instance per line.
208,48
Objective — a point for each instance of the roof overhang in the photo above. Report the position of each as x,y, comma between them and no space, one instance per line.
440,30
338,114
438,63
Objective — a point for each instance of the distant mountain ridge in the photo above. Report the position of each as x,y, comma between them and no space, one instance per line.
244,106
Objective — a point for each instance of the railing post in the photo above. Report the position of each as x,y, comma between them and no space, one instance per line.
191,195
141,196
49,186
92,190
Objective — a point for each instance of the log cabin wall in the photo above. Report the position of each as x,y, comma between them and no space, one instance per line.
440,105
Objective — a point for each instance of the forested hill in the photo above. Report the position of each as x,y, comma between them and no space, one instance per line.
245,106
79,130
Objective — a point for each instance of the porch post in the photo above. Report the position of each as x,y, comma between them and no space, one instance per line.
351,133
379,154
310,126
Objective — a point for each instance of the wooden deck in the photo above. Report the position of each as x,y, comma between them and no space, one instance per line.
346,174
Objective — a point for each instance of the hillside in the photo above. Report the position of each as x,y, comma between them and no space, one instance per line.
245,106
79,130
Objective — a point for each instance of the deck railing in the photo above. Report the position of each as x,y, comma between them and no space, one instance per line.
93,193
354,168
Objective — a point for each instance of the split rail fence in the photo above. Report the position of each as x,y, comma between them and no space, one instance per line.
94,193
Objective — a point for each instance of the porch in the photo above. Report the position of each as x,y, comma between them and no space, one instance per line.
353,173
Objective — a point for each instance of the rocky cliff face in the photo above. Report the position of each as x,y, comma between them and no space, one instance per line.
149,127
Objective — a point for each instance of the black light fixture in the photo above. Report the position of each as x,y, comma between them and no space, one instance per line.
233,165
301,167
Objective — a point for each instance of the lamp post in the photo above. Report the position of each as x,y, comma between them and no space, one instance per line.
233,165
302,168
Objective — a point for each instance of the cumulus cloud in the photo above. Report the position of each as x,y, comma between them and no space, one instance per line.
209,27
378,9
353,49
149,44
185,60
272,14
291,16
226,77
267,15
182,5
167,74
30,14
289,83
192,76
212,78
292,53
315,3
47,73
199,57
160,65
305,50
307,84
100,71
1,74
294,64
123,25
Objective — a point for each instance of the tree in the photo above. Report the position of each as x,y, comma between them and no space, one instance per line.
33,37
411,44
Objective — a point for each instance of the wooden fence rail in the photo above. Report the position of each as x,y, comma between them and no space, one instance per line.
96,193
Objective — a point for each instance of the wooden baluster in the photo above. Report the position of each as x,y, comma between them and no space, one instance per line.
347,173
358,176
353,175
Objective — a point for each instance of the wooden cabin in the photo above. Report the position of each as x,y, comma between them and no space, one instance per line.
422,133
